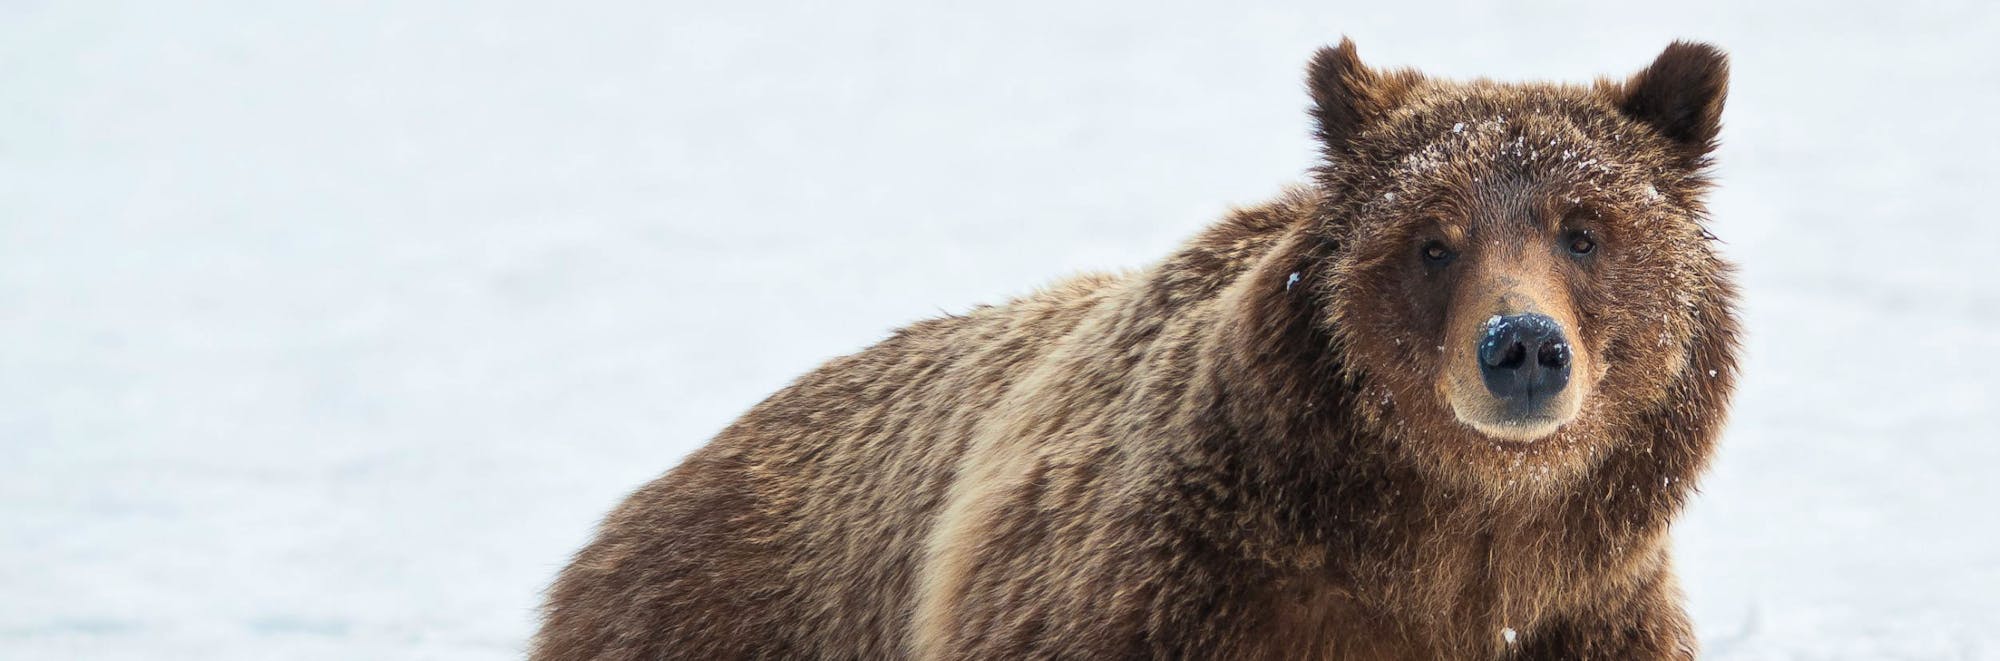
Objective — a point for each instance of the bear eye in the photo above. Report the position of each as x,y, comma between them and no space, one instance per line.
1581,243
1435,252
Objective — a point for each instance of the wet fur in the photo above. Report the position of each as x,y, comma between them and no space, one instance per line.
1224,455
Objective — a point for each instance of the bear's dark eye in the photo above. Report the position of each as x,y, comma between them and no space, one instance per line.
1581,243
1435,252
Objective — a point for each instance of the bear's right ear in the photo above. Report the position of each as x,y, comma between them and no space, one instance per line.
1347,95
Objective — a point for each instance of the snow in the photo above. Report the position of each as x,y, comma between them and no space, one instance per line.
327,330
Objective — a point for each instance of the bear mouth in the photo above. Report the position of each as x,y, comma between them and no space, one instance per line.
1522,427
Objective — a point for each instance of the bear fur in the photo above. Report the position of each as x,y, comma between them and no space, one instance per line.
1249,450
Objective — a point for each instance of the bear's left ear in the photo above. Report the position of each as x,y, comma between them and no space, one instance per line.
1680,95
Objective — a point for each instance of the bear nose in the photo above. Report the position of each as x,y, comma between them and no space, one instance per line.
1524,359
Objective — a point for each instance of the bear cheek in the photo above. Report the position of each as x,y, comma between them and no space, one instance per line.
1643,365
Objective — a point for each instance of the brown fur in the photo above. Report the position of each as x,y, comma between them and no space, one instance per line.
1248,450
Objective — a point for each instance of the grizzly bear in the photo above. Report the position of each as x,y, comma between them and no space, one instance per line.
1442,403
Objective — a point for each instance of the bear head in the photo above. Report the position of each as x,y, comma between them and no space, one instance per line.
1515,273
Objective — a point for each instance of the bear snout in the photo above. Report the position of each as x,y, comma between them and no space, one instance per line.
1524,360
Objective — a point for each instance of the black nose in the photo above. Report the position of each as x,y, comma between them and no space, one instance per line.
1525,360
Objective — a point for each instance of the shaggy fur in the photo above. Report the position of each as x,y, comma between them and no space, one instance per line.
1250,449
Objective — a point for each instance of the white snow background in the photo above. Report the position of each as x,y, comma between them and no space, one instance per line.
329,330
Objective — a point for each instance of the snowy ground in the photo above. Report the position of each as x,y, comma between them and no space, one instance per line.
327,332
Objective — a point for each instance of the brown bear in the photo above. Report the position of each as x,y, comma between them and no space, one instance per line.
1443,403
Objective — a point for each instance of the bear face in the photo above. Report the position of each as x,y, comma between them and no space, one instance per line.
1516,270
